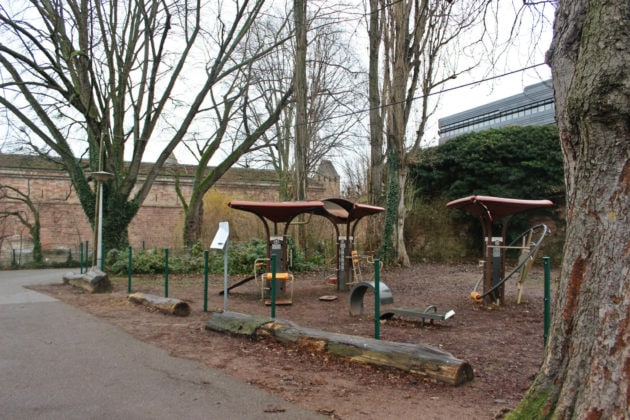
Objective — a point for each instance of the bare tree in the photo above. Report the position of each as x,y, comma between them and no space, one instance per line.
19,205
416,38
333,99
110,81
242,138
238,120
586,371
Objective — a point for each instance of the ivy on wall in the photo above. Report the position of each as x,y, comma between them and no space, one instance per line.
514,162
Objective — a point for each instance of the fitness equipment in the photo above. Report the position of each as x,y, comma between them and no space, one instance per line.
496,212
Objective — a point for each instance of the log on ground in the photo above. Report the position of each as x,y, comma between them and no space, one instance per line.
415,358
93,281
168,306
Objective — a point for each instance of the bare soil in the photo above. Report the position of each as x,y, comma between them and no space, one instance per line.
504,344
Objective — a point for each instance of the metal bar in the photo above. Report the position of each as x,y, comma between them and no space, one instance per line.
377,299
81,257
129,270
205,281
225,275
547,316
165,272
273,286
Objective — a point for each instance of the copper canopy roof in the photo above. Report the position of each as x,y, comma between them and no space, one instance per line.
496,208
281,212
337,209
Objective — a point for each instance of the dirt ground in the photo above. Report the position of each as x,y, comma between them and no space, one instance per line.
503,344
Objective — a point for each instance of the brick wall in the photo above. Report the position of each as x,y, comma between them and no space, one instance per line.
157,224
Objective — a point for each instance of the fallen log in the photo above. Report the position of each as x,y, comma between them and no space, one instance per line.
93,281
416,358
168,306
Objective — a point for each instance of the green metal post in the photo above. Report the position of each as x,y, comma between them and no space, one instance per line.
377,299
547,320
102,265
87,255
81,257
273,287
165,272
225,277
129,269
205,281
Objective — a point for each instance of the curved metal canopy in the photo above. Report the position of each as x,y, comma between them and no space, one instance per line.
342,211
338,210
496,208
277,212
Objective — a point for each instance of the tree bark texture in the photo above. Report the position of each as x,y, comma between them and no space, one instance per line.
586,370
193,219
416,358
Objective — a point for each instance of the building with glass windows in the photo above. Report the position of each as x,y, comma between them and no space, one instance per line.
532,107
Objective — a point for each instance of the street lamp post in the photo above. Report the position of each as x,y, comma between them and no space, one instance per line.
100,177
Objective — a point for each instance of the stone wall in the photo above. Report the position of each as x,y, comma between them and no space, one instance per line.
159,221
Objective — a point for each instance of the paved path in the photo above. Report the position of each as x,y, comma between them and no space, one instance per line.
57,362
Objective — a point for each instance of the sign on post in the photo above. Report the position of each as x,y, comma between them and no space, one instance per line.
221,237
220,242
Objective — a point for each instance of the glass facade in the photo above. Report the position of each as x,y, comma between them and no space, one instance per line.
534,106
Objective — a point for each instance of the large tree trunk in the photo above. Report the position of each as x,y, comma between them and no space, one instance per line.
377,158
586,370
393,247
301,121
193,221
397,47
118,214
401,249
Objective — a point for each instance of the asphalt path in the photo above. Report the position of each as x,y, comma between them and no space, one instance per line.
57,362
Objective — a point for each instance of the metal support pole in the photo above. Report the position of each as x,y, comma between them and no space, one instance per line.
547,316
129,269
225,276
99,237
81,257
273,286
165,272
377,299
205,280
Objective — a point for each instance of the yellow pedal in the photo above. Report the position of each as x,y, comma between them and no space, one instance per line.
476,296
279,276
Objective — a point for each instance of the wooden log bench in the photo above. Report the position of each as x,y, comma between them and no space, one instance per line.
420,359
169,306
92,281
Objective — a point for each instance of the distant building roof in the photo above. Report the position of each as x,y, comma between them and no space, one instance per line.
327,169
534,106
